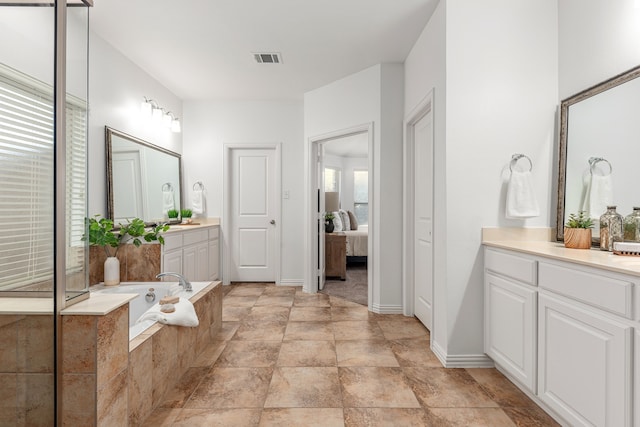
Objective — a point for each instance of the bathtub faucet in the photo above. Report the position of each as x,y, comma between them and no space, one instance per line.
186,285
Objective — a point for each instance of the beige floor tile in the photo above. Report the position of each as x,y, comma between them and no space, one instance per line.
162,417
227,331
281,290
210,354
307,417
447,388
315,331
246,291
268,313
500,389
249,354
310,314
414,353
275,300
357,330
397,330
232,388
260,331
350,313
218,418
234,314
385,417
468,417
530,417
341,302
376,388
365,353
304,388
240,301
307,353
177,397
311,300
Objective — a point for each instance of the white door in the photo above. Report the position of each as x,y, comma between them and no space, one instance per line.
127,173
321,208
253,201
423,218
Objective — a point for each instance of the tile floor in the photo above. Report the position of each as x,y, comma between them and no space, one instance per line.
286,358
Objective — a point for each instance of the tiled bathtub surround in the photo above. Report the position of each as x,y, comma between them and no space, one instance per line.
139,264
285,358
111,381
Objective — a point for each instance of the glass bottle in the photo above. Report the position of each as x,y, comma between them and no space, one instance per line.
610,228
631,226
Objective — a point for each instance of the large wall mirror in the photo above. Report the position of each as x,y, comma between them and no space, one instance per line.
600,150
143,180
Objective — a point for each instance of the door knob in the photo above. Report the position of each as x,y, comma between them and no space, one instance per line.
272,222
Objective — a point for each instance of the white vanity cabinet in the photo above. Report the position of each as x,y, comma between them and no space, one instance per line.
192,253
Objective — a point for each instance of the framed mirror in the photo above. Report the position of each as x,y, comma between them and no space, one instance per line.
599,150
143,180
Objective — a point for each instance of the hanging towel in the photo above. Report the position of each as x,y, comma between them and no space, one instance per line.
185,314
521,198
197,202
599,195
167,201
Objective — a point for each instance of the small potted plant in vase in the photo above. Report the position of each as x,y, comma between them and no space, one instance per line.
328,222
577,231
101,232
186,215
173,214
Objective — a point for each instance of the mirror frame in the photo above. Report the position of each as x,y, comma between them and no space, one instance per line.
564,123
108,133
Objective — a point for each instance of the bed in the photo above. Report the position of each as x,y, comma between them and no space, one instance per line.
357,243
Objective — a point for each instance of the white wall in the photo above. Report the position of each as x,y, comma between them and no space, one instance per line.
208,125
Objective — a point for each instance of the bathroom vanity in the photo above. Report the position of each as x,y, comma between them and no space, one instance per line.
193,251
564,325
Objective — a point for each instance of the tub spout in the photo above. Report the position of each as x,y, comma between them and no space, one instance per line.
186,285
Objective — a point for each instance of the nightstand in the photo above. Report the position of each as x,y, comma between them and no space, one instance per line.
335,255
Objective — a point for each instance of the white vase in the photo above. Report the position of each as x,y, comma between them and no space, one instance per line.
112,271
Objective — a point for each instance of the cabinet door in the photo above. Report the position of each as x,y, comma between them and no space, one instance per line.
637,377
214,259
189,262
172,262
202,262
510,321
584,364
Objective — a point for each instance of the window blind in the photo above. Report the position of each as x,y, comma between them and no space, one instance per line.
26,181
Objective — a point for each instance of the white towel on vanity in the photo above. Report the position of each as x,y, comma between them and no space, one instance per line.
185,315
599,195
168,202
521,197
197,202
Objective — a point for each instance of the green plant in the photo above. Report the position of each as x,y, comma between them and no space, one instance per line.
328,216
101,232
172,213
581,220
186,213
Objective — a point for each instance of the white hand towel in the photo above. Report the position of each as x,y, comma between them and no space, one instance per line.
599,195
521,198
197,202
185,315
167,201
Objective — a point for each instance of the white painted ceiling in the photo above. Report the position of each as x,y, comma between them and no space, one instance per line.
349,146
201,49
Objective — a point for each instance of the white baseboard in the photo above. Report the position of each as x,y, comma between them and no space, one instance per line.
387,309
461,360
290,282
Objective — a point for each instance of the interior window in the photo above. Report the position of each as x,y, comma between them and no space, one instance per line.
361,196
331,180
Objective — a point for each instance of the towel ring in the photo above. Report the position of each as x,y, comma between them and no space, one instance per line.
593,161
198,186
516,157
167,186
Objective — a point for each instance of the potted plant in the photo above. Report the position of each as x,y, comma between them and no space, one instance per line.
186,215
577,231
173,214
328,222
102,232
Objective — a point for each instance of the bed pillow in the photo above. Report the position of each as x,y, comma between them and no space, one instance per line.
337,222
353,220
344,216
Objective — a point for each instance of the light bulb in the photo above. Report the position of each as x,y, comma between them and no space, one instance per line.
175,126
145,108
157,115
167,120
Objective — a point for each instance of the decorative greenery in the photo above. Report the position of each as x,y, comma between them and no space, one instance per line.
101,232
186,213
581,220
328,216
173,213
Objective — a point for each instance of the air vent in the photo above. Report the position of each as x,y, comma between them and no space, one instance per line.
268,58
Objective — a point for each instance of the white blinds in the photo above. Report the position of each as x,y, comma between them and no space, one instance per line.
26,181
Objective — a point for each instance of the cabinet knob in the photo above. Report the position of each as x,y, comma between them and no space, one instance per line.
272,222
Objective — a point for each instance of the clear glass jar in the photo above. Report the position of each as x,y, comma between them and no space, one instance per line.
631,226
610,228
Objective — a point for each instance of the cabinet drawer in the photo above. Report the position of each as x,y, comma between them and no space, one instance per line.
195,236
214,233
172,241
605,292
516,267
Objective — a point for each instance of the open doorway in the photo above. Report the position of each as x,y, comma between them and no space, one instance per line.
344,189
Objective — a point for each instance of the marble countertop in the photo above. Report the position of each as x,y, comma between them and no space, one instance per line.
199,223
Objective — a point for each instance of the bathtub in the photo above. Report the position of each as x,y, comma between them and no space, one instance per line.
139,305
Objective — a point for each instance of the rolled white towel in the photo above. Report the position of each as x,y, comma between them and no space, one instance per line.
185,315
521,197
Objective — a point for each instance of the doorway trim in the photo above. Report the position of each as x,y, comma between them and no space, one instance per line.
226,204
311,236
424,107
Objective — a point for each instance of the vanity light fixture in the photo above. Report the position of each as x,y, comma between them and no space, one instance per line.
149,108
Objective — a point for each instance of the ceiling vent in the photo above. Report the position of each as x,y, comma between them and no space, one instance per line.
268,58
